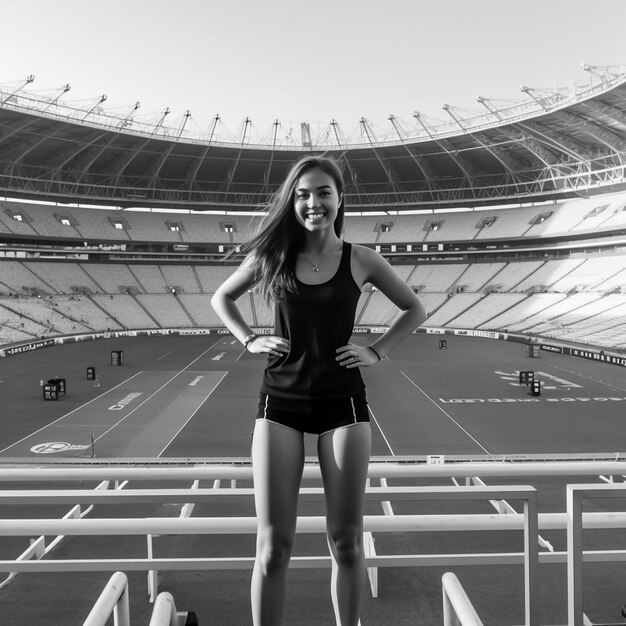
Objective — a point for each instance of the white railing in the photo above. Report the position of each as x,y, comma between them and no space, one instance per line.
575,554
118,470
231,525
164,612
505,519
112,600
457,608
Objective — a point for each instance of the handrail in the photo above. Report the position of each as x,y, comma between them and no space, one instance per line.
527,494
312,471
113,599
307,494
164,612
457,607
309,524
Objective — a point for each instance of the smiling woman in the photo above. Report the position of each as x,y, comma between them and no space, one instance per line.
312,381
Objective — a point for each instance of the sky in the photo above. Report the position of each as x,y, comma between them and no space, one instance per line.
304,61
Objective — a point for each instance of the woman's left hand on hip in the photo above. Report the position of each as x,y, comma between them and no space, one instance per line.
352,356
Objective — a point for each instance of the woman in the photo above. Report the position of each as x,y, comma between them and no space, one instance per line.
312,382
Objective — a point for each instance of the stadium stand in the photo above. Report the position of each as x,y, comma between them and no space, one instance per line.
182,278
19,279
594,214
211,277
64,278
43,312
485,309
526,309
150,278
477,276
439,277
84,296
446,314
547,274
125,310
165,309
112,278
377,310
510,277
201,311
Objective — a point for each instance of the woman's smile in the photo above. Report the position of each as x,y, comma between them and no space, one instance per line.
316,199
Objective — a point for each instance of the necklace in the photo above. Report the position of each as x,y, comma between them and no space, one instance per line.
315,267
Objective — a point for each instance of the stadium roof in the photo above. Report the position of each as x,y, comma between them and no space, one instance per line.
554,144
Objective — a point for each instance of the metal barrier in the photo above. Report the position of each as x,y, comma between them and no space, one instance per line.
506,519
232,525
165,614
128,471
457,608
112,600
575,555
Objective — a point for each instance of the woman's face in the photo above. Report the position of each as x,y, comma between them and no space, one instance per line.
316,200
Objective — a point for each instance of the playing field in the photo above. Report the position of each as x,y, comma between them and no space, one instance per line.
195,398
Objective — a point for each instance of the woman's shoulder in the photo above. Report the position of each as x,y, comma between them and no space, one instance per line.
363,261
363,253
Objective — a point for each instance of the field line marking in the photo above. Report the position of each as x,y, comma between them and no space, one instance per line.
591,378
381,431
446,413
217,384
72,411
167,382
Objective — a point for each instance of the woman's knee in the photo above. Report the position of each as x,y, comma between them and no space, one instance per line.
347,545
273,550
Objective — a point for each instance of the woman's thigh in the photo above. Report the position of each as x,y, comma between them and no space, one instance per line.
344,455
277,462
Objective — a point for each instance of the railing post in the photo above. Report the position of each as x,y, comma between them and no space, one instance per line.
574,558
369,549
531,560
153,575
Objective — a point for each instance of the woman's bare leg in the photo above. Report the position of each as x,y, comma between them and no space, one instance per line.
277,462
344,456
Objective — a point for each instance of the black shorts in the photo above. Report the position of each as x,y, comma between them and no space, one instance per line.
316,416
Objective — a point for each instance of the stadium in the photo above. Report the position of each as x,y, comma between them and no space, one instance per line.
127,405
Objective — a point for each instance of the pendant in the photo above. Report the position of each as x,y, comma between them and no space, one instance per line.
315,267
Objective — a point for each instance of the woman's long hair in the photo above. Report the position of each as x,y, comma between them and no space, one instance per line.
274,249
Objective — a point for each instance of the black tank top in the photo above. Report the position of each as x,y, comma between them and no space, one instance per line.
317,320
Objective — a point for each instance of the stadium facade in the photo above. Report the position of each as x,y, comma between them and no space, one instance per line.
553,145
